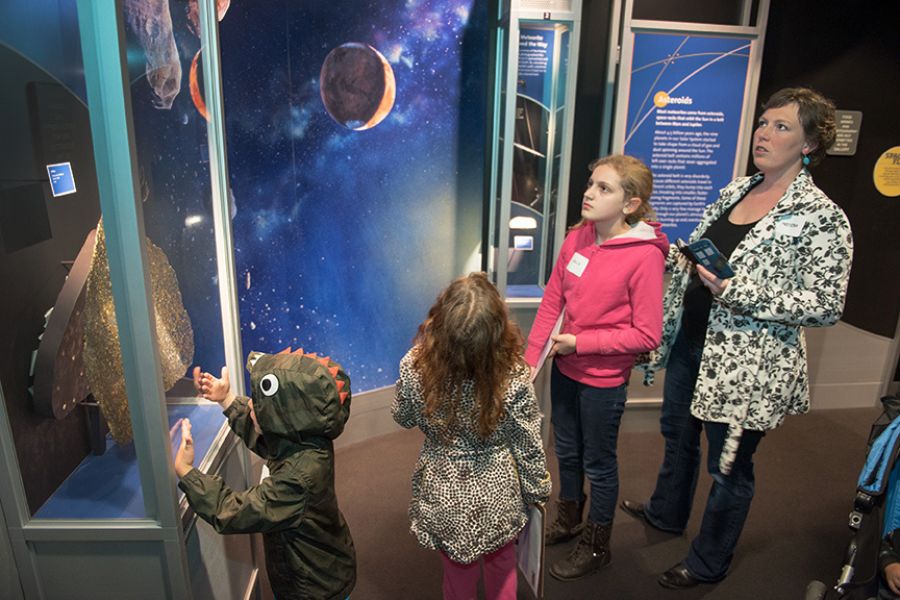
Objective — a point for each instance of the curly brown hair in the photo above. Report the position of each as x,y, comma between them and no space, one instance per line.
816,114
468,338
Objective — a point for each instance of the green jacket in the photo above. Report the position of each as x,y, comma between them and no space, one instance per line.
309,551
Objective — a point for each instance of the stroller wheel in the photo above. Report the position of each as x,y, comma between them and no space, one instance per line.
815,591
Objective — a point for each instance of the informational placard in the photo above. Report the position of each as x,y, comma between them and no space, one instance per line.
685,105
535,63
523,242
62,181
848,123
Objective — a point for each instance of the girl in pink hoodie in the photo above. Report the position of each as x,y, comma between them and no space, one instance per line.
608,283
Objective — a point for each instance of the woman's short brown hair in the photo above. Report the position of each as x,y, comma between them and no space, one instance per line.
816,116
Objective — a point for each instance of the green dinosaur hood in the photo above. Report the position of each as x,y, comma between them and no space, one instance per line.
298,396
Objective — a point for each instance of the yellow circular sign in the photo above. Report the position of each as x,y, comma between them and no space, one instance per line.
887,173
660,99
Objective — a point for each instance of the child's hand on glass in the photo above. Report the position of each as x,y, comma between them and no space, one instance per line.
217,389
184,458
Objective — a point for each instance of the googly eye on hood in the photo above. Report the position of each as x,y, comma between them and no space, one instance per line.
296,395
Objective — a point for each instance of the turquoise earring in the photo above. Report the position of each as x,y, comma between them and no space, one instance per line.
805,160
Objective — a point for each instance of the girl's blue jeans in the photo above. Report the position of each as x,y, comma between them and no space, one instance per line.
586,431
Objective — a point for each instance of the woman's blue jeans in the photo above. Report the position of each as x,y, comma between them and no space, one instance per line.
729,498
586,430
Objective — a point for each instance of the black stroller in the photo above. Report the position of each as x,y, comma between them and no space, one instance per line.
859,575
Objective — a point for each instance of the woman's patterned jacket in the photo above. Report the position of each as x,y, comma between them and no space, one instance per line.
792,271
470,495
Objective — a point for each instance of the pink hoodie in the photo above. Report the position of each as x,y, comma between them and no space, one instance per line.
614,308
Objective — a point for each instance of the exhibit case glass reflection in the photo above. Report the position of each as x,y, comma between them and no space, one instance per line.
115,246
69,408
536,61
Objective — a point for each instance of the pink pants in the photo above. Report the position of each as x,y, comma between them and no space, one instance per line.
461,581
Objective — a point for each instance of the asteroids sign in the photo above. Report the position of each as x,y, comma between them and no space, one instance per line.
662,99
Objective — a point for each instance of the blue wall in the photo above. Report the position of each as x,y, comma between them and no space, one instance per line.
46,32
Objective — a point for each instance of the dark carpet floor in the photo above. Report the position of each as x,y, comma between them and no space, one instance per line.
806,478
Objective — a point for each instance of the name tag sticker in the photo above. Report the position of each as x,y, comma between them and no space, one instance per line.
577,264
791,226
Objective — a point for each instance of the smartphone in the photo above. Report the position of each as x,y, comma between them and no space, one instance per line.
704,252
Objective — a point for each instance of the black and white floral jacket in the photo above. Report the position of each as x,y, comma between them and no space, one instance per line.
792,271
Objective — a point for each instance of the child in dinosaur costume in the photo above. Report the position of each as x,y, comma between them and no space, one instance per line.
299,404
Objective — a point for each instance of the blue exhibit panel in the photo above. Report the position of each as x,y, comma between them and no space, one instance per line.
684,117
536,47
109,486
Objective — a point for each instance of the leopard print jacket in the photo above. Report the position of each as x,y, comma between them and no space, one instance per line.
792,271
470,495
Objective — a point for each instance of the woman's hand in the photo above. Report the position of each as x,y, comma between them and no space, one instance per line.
184,458
214,388
713,283
564,343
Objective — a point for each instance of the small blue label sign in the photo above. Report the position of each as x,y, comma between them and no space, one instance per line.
523,242
62,181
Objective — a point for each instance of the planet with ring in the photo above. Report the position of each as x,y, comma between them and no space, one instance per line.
357,86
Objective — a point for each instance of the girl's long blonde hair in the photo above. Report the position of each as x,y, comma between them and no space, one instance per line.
467,337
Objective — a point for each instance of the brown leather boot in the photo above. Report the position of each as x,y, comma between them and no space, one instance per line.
590,554
567,524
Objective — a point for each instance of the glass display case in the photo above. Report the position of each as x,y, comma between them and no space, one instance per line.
69,408
115,228
537,50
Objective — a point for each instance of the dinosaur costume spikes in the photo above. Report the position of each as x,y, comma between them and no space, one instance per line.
327,364
316,389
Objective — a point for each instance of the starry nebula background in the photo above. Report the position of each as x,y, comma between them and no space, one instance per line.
342,238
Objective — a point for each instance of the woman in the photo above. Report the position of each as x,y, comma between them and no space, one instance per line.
734,349
608,279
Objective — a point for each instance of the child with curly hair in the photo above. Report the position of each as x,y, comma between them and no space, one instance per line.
467,387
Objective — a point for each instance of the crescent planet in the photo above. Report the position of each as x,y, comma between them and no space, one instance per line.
357,86
196,95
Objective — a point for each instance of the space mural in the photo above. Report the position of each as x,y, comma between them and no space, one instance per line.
355,132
